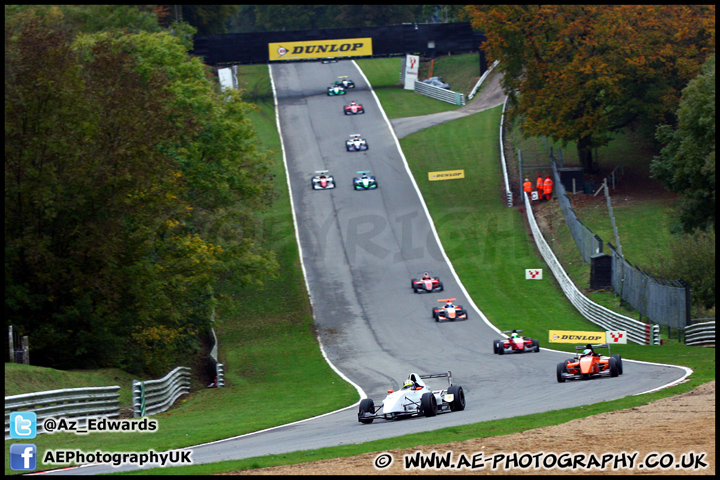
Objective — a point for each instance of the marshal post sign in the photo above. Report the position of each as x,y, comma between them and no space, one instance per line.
346,47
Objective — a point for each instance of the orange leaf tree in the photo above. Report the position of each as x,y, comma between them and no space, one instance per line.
579,73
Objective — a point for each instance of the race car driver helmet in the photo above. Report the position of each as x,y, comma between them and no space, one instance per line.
352,102
587,351
426,275
408,384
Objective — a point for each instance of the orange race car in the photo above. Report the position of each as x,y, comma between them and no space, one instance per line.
449,311
589,364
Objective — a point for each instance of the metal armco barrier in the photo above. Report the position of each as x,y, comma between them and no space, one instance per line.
69,402
482,79
638,332
508,192
439,93
700,334
156,396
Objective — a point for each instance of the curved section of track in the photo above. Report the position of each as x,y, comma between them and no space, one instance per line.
359,250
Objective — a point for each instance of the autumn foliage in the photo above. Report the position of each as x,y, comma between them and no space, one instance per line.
579,73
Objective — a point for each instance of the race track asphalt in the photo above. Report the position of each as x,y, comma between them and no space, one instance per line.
360,249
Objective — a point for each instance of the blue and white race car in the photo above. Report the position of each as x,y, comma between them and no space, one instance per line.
355,143
364,181
415,398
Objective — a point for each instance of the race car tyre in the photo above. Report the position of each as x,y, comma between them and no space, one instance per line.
612,362
428,404
366,405
536,345
440,287
458,403
501,348
434,313
561,368
495,346
619,363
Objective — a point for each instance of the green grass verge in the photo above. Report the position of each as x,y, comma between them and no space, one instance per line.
461,71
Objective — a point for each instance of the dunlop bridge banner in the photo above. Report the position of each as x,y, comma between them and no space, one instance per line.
346,47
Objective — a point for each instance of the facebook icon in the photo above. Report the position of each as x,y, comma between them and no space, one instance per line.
23,456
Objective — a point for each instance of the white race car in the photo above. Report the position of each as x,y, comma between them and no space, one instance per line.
356,143
413,399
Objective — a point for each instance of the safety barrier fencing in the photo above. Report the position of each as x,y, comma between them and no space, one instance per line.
80,403
219,367
439,93
508,192
482,79
700,334
637,331
156,396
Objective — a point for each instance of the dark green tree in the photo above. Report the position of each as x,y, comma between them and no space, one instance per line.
208,19
132,185
687,162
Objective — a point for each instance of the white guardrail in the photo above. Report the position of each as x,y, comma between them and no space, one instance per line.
508,192
638,332
482,79
700,334
156,396
439,93
70,402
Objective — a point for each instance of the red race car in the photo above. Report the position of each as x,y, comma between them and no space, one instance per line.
426,283
449,311
589,364
353,109
322,181
515,343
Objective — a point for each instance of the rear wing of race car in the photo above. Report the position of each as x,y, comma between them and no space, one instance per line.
448,374
321,171
599,345
511,331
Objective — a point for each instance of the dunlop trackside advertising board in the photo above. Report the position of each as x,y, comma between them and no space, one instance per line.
569,336
446,175
346,47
